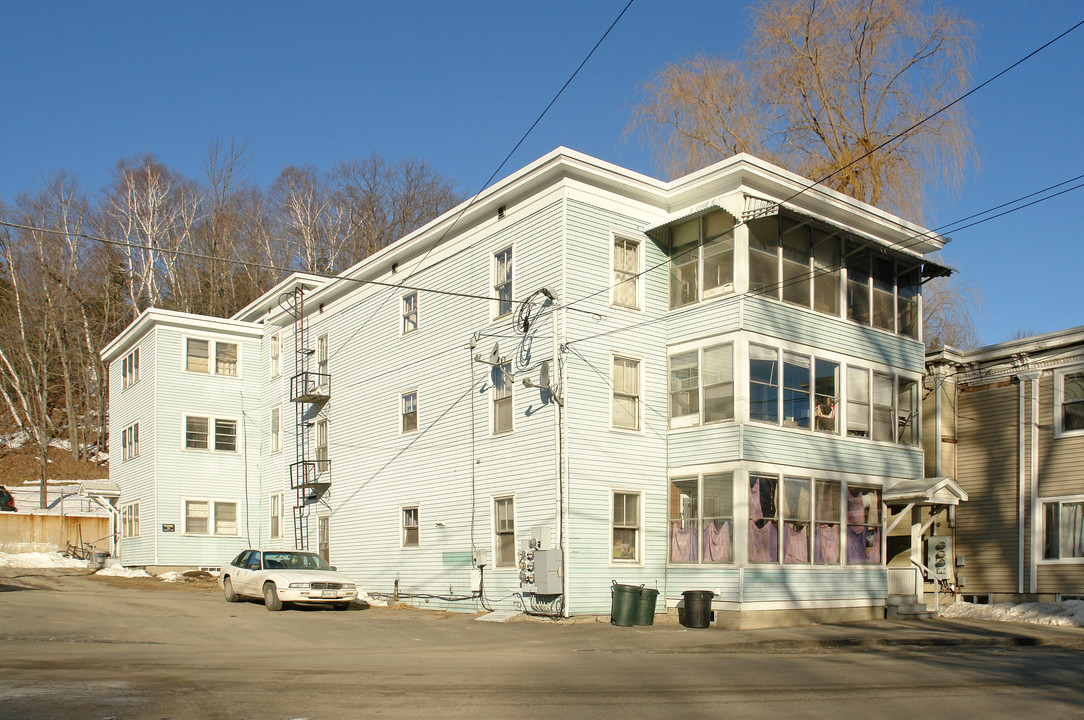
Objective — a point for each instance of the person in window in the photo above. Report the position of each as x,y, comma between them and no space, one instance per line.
825,413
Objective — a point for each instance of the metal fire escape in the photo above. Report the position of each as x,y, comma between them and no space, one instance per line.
310,473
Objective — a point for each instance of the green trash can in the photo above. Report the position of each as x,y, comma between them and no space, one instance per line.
624,601
645,611
698,608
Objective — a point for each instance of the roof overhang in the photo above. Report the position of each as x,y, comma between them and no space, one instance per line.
925,491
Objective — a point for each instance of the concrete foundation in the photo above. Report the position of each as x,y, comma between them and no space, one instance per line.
758,619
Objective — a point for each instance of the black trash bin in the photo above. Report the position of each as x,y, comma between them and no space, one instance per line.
698,608
645,611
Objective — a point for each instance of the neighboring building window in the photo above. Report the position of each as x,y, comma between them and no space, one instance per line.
701,259
701,519
129,520
1068,401
763,383
502,398
206,517
504,524
129,368
198,354
863,536
129,440
626,393
322,358
276,354
502,282
198,434
625,526
323,462
276,429
274,523
826,518
857,402
1063,529
702,379
410,527
626,273
410,312
410,412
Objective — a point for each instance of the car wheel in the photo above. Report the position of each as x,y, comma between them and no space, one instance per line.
271,597
227,590
341,606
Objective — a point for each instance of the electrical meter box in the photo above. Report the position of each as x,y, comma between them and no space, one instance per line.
547,575
939,557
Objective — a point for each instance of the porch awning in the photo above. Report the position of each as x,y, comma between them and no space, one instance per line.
731,204
925,491
100,488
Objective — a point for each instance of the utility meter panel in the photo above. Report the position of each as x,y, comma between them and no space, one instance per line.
540,564
939,557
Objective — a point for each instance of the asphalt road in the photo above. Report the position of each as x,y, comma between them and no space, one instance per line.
82,647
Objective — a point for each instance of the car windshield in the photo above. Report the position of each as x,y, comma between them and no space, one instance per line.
294,561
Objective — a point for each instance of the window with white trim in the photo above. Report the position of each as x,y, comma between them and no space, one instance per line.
129,440
205,433
701,259
502,398
625,525
323,461
626,290
274,520
504,530
129,520
502,283
410,312
410,527
626,393
763,383
276,354
858,405
210,517
322,357
1068,401
129,369
276,429
1063,529
409,412
701,518
702,386
864,523
199,353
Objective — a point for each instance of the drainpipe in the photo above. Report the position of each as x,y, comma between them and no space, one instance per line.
1020,482
1028,425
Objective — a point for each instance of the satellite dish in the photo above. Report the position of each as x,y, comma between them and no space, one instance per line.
495,356
544,375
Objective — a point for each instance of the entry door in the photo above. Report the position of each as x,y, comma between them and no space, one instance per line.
323,533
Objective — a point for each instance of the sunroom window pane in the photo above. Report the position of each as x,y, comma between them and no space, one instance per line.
857,402
796,255
718,254
763,384
883,425
764,256
884,298
684,387
826,273
858,301
684,262
796,390
826,395
718,383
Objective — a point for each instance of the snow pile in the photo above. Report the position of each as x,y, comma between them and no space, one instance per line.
121,571
40,560
363,597
172,576
1066,612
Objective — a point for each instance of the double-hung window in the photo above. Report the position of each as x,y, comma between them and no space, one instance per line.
410,312
1069,401
129,520
209,517
504,529
323,461
276,354
409,412
1063,529
626,291
276,429
274,510
211,357
625,526
626,393
410,537
701,259
322,358
129,368
129,440
701,518
502,398
863,536
502,283
702,380
204,433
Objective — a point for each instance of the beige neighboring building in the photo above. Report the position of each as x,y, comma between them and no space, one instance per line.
1006,422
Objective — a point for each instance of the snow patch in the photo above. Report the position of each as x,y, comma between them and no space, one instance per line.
172,576
121,571
40,560
1066,612
363,597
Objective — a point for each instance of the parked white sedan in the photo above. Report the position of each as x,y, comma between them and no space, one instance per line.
286,576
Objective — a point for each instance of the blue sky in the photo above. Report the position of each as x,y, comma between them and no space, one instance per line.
457,84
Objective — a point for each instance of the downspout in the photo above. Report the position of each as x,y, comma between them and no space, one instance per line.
1028,465
1033,377
1020,483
